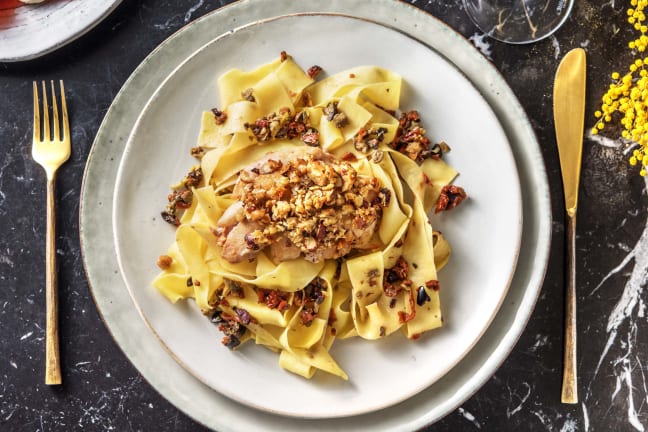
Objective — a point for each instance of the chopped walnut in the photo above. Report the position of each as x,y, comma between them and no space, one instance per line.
333,114
307,99
220,117
182,197
311,138
340,120
198,152
164,262
230,326
285,125
367,140
310,299
193,177
316,204
169,216
451,196
395,279
314,71
410,139
248,95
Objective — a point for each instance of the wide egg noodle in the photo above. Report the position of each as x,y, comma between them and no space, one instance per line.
355,302
330,136
370,307
173,281
274,85
356,116
192,248
212,206
293,79
342,83
289,276
425,180
306,362
439,174
318,357
211,134
418,252
301,336
342,325
262,314
366,274
380,116
442,250
233,83
303,349
233,161
411,174
293,363
394,221
210,160
239,115
271,96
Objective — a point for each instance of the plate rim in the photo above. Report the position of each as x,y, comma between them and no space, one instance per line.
520,130
199,374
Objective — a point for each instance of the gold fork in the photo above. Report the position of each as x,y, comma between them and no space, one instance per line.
51,151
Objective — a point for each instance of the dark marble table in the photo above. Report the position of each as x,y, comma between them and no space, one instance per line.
102,391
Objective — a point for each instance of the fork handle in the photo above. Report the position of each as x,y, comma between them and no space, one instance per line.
569,386
52,358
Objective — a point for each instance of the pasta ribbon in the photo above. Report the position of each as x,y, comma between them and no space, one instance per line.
244,249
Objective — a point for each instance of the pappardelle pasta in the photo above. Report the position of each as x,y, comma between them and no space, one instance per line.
306,218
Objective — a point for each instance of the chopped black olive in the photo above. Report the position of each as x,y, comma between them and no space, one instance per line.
422,296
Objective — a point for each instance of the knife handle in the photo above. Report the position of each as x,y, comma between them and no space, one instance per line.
569,386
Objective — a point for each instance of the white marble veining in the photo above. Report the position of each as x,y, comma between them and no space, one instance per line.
517,400
481,42
470,417
556,46
614,398
620,355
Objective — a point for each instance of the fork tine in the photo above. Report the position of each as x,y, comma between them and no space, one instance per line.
46,124
55,115
66,123
36,114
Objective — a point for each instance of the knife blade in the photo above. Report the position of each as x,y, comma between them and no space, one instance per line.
569,117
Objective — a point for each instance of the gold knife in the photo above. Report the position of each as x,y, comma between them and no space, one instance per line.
569,116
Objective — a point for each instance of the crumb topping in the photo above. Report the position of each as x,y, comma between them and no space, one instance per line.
309,201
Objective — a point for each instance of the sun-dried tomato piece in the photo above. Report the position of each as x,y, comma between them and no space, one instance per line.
314,71
451,196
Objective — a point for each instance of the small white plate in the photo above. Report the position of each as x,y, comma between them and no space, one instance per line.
484,232
29,31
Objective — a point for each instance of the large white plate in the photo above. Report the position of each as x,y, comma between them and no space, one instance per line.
484,232
30,31
202,402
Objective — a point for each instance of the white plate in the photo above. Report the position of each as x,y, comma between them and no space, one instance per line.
484,232
30,31
191,395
